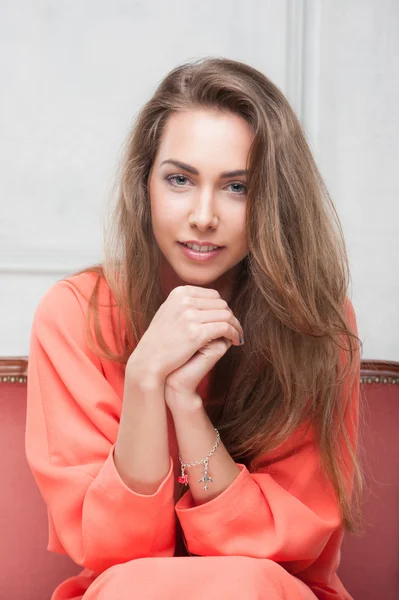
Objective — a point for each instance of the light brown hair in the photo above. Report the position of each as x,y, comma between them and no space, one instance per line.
301,357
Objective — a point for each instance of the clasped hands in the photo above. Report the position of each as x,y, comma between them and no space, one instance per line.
190,332
181,385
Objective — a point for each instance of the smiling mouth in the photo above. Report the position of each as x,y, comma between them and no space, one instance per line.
201,247
199,253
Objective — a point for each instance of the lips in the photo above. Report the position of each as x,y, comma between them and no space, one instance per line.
201,244
200,255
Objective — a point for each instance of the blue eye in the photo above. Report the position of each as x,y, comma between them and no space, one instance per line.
243,187
176,178
170,177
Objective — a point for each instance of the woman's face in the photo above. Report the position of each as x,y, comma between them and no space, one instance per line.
201,199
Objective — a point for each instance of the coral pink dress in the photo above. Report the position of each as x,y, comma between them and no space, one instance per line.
273,534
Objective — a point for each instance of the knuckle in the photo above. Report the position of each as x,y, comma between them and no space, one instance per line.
221,346
226,328
190,315
180,290
193,332
190,289
227,314
186,301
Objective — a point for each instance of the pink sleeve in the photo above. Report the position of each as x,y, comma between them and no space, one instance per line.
71,428
286,512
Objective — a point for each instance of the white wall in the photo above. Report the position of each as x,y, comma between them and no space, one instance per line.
76,73
358,150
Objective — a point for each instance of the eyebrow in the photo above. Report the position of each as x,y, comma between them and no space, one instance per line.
194,171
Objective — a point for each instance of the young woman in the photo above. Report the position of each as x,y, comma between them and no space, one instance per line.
193,401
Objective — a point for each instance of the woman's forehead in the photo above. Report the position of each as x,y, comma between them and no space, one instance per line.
206,140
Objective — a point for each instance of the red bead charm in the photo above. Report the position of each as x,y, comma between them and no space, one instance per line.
183,479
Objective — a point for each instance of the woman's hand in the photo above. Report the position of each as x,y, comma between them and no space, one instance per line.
190,319
181,385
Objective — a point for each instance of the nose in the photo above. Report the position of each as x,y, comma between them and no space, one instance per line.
203,214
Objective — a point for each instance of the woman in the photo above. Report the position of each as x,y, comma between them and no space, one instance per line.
175,459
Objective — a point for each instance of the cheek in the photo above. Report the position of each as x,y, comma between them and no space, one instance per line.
238,226
160,207
165,216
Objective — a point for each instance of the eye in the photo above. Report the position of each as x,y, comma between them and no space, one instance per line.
240,185
179,178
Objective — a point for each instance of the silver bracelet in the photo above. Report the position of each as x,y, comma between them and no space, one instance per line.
205,461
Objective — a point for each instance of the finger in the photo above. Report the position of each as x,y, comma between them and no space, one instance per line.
214,331
216,347
208,303
226,341
195,291
208,355
212,316
214,304
195,369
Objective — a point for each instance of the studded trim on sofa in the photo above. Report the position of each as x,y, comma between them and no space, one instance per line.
14,369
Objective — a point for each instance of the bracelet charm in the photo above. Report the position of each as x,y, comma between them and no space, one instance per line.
206,479
183,478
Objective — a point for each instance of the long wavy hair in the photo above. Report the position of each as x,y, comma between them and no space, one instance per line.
301,357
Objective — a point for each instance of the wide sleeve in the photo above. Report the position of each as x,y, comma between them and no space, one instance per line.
71,428
286,512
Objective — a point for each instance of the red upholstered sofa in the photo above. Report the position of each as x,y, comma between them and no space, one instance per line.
370,563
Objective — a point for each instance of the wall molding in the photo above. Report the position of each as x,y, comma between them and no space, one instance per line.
50,260
303,64
302,90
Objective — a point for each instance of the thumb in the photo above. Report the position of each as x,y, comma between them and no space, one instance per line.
208,355
215,348
195,369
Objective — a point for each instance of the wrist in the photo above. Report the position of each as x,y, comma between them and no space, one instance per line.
143,376
183,405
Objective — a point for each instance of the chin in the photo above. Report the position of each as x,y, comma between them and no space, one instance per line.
200,278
